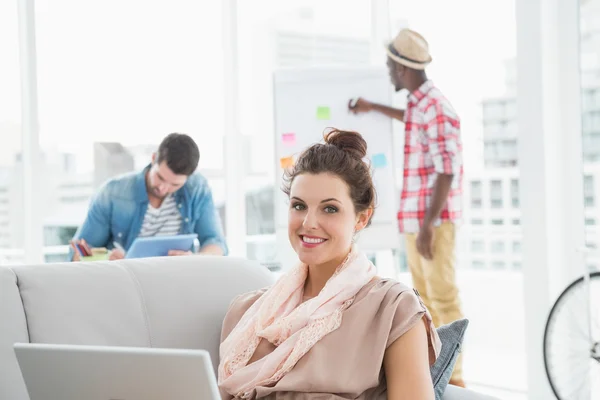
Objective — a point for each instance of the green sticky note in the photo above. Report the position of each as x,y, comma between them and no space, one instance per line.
323,113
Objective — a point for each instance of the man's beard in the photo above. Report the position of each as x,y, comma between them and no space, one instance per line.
156,193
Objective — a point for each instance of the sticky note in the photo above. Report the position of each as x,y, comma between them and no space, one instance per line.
323,113
379,160
288,139
286,162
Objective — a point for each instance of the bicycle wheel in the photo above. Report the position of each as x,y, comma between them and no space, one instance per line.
571,357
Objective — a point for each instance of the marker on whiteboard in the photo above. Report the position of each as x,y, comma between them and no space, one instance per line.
353,102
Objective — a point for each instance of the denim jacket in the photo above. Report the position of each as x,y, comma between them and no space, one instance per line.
117,211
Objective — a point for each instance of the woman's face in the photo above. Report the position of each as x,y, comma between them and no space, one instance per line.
322,220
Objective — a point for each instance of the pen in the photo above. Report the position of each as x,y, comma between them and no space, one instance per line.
119,247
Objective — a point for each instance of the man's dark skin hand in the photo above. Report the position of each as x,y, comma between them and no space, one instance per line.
364,106
425,238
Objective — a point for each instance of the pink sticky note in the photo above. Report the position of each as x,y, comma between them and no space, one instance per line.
288,139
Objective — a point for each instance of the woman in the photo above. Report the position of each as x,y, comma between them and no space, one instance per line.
329,328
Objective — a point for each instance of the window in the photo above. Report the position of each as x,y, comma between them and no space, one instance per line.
495,129
595,121
514,192
491,152
260,218
11,194
489,209
517,265
476,194
516,247
586,120
590,221
493,110
509,151
596,93
477,246
285,35
497,247
105,107
498,265
511,110
496,193
588,191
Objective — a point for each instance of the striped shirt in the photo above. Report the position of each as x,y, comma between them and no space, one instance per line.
162,221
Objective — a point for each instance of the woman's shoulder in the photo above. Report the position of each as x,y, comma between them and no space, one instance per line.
387,291
237,308
244,301
394,307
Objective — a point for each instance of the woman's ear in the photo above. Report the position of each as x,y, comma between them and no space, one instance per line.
363,219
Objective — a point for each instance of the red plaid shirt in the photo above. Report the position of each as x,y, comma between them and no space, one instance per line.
432,146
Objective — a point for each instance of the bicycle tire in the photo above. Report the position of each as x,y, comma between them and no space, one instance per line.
593,275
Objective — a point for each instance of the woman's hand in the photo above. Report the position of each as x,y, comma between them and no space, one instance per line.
406,364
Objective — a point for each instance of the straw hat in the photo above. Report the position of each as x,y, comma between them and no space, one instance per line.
409,49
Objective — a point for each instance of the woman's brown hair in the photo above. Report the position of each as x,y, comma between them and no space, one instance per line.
341,155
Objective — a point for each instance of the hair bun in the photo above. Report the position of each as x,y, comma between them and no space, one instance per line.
348,141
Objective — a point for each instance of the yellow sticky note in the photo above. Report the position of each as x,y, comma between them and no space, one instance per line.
286,162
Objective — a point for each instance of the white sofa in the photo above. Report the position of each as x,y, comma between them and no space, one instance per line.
176,302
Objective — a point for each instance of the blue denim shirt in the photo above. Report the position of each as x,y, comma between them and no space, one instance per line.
117,211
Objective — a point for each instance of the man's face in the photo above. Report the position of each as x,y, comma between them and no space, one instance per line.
162,181
395,75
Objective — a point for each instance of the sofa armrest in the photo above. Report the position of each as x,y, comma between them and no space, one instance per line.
457,393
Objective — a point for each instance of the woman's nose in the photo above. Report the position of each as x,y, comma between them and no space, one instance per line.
310,221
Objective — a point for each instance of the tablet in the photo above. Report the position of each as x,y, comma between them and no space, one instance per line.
69,372
159,246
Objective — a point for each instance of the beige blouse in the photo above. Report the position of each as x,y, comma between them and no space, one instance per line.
348,362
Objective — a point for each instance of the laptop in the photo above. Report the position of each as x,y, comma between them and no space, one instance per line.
69,372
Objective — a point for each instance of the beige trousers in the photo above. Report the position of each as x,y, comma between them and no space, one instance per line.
435,279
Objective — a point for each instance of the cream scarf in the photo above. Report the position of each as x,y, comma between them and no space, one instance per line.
280,317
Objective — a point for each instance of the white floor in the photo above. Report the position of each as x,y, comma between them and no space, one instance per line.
499,393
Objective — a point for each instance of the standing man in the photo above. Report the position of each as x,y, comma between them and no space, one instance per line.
430,206
165,198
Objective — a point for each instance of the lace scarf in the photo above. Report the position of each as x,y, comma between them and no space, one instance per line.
281,317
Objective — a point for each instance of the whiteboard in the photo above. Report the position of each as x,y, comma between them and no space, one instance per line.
306,103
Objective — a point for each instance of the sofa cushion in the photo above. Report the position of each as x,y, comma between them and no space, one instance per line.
451,336
187,301
95,303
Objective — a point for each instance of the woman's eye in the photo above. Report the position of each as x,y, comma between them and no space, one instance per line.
298,206
330,209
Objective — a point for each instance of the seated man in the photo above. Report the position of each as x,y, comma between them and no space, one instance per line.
165,198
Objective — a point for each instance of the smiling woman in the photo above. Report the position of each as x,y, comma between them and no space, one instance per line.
331,197
331,301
